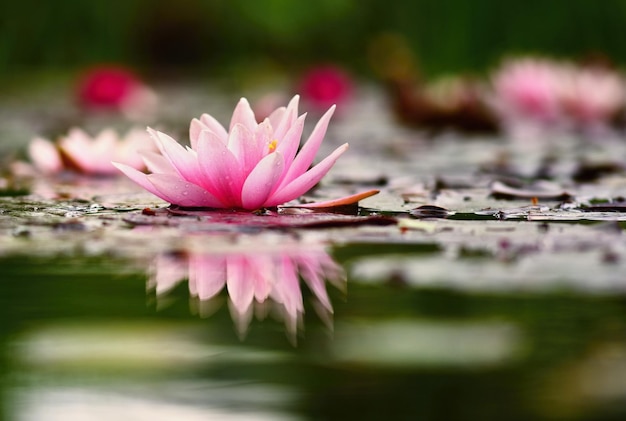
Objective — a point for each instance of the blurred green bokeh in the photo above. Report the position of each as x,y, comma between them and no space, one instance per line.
215,36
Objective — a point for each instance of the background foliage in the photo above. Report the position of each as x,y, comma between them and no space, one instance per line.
215,35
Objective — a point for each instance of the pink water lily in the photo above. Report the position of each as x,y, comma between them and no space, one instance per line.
251,279
594,96
250,166
81,152
552,94
528,89
116,88
325,85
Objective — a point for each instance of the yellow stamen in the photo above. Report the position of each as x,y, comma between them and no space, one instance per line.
272,145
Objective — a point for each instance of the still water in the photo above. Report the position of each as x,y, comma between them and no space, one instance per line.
506,310
171,336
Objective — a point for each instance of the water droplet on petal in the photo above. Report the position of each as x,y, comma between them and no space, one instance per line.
185,193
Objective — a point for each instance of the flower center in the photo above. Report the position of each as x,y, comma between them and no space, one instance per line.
272,145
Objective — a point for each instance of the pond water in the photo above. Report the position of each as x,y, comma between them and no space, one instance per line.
493,307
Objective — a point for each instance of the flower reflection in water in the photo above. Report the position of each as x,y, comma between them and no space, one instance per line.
258,282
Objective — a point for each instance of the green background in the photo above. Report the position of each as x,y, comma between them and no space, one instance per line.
212,37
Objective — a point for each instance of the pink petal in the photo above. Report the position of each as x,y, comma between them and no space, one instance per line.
262,271
315,281
261,181
78,136
184,161
220,168
264,130
195,127
155,137
206,122
157,163
276,116
207,275
182,193
263,136
288,145
103,151
306,181
304,159
45,156
167,272
287,288
215,126
139,178
242,143
106,141
77,146
288,118
129,149
240,285
244,115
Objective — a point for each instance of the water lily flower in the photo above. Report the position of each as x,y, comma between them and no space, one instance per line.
250,166
111,87
528,89
325,85
89,155
261,277
593,96
556,95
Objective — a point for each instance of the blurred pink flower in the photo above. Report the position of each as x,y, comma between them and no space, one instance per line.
559,95
325,85
252,165
592,96
528,89
89,155
269,276
115,88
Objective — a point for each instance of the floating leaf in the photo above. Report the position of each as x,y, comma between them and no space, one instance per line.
349,203
429,211
500,190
